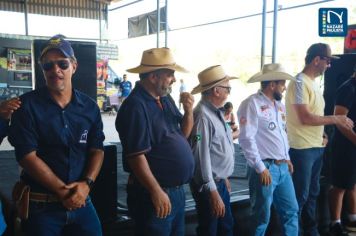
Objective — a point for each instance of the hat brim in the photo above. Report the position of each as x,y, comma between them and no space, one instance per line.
271,76
200,88
334,57
141,69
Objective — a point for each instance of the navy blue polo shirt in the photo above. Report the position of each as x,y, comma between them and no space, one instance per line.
61,137
346,97
146,129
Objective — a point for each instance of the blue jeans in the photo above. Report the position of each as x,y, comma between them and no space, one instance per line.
208,225
47,219
143,213
280,192
307,166
2,221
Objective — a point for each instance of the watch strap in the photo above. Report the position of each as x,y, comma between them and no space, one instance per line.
89,182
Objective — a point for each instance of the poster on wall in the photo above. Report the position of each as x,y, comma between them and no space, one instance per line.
101,78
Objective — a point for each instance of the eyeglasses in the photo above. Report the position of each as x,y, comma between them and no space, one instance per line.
327,59
63,64
228,88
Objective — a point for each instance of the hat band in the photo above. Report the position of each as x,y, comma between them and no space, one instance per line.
214,82
173,64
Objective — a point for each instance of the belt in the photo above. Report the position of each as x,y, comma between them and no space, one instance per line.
217,180
43,197
274,161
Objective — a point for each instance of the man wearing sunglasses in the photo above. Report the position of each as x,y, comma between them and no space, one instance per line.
213,151
305,129
58,138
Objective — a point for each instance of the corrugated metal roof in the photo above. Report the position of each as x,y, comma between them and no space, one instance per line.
89,9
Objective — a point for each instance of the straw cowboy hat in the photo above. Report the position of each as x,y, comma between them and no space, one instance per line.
271,72
155,59
210,77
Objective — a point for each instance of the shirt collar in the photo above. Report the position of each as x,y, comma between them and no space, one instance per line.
76,98
145,94
266,98
143,91
209,105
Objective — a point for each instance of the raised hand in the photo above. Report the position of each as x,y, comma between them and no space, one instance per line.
8,107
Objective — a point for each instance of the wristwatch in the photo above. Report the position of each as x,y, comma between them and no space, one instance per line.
89,182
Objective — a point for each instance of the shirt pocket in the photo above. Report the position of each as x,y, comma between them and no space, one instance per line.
265,118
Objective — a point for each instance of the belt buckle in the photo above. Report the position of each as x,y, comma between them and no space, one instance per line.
278,162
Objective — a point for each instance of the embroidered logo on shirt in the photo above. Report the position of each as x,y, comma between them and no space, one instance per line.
83,137
264,107
243,120
197,138
283,116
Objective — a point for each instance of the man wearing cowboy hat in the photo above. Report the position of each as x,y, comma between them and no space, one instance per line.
156,152
213,151
305,124
264,141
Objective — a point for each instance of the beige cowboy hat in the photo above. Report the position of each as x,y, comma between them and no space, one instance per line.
271,72
155,59
210,77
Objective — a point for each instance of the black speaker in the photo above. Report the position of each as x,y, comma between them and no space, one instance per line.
104,191
338,73
84,78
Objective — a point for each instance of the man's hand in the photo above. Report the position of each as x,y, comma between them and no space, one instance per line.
8,107
325,140
265,177
228,185
187,100
161,203
344,121
217,205
235,131
79,193
63,195
290,167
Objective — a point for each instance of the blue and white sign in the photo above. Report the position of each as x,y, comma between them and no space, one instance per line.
332,22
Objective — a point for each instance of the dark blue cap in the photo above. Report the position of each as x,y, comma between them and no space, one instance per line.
58,42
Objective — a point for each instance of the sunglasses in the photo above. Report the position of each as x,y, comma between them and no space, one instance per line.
228,88
327,59
62,64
